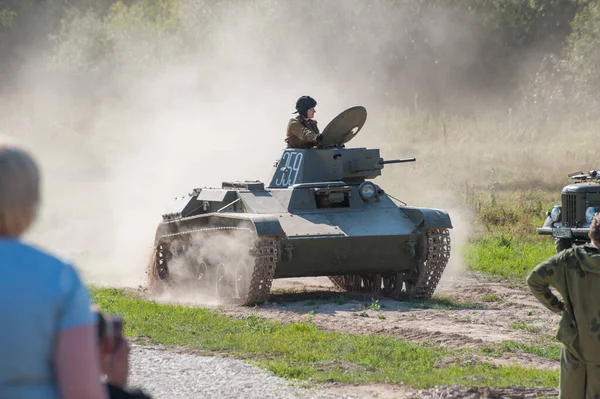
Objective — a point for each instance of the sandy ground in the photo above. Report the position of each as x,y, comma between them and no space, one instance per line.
467,310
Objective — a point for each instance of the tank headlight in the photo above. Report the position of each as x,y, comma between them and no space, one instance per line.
555,213
589,213
367,190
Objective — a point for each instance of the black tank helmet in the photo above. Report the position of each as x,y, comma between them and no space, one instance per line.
303,104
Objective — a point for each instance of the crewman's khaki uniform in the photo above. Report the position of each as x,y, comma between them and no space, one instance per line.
575,274
301,133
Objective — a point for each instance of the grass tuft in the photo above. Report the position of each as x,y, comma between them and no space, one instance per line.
523,325
550,351
506,256
445,302
492,298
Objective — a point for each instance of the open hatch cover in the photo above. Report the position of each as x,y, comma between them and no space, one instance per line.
344,127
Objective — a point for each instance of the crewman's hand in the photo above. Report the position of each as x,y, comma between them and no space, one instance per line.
319,137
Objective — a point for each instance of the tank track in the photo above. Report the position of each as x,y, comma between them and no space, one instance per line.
264,252
266,257
405,286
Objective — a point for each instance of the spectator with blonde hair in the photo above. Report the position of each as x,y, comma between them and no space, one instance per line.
575,274
48,340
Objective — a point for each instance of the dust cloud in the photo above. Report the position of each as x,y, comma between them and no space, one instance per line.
118,144
194,271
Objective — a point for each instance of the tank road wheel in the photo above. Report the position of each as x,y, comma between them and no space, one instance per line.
225,283
356,282
200,270
367,283
372,283
348,282
410,287
201,276
419,284
393,285
243,277
233,283
180,259
193,270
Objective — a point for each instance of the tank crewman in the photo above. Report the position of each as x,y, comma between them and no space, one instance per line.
302,131
575,274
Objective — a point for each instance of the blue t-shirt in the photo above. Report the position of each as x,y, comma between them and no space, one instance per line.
39,296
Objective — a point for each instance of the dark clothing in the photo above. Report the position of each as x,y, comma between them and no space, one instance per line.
118,393
577,379
575,274
301,133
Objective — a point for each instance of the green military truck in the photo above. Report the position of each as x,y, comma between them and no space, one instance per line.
569,222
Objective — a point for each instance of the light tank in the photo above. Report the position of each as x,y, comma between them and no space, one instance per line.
318,215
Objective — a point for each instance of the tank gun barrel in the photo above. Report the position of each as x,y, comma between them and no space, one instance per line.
382,162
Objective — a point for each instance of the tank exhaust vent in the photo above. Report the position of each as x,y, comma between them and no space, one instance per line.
249,185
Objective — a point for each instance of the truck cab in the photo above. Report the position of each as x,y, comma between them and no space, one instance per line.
569,222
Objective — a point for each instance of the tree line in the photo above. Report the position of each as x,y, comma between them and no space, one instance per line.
540,53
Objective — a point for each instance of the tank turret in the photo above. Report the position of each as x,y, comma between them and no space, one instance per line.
322,165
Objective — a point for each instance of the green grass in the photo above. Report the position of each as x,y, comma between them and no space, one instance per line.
549,351
444,302
491,298
302,351
375,304
507,243
507,256
523,325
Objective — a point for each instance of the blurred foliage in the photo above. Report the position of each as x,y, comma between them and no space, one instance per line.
526,22
583,57
7,17
567,83
89,40
543,51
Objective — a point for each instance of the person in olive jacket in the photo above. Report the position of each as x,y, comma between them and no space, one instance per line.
575,274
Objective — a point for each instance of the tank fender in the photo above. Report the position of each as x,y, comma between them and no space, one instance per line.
427,217
262,224
266,225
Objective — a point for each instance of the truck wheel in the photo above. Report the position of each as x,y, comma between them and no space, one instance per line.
562,244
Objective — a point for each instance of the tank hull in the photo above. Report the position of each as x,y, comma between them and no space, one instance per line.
384,260
325,256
